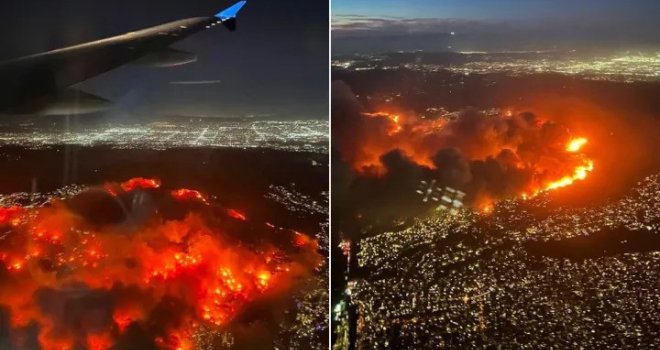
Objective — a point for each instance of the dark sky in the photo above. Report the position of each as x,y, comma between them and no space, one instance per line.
276,63
491,25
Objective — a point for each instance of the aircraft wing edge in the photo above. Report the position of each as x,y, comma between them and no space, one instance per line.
228,15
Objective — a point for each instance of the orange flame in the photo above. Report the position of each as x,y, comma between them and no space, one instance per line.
394,120
580,172
487,209
185,194
140,183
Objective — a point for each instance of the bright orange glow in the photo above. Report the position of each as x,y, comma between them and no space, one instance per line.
9,215
394,119
264,278
478,147
140,183
576,144
394,131
300,239
580,172
101,341
123,317
190,260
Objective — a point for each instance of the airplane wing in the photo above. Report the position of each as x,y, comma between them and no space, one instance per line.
39,84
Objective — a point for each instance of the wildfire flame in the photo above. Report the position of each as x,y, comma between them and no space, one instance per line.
140,183
580,172
10,215
394,119
188,261
515,141
185,194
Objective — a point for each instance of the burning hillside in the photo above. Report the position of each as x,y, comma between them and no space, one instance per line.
133,263
489,156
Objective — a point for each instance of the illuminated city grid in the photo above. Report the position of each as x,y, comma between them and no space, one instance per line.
467,280
297,136
626,68
297,202
311,324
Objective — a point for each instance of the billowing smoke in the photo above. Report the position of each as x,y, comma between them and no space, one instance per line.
136,266
488,156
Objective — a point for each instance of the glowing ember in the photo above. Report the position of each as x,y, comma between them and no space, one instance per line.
300,239
163,278
185,194
236,214
487,209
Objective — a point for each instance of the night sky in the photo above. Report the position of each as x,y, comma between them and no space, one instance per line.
275,64
497,25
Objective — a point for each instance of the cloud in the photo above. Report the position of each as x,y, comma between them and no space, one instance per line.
355,33
356,25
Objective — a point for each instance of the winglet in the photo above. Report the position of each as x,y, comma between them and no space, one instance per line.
228,15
